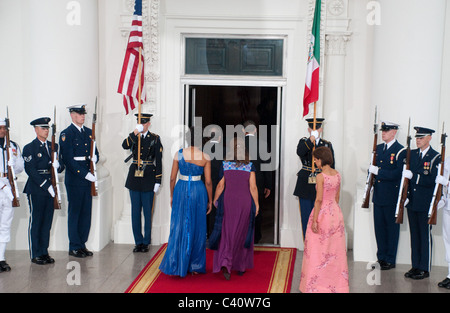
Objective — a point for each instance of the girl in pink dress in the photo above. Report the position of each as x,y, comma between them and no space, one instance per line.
324,267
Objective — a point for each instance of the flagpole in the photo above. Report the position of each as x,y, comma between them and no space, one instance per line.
139,172
312,179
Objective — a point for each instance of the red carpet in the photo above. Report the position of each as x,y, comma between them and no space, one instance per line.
272,273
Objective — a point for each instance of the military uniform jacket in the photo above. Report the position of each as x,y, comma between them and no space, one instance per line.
16,155
303,189
75,149
151,155
387,182
38,166
421,185
263,178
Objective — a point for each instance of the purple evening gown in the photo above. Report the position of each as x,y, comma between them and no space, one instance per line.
236,218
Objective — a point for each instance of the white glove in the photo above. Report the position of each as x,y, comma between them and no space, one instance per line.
373,169
90,177
11,162
315,133
441,180
7,190
407,174
441,203
406,202
156,188
55,164
94,158
51,191
140,127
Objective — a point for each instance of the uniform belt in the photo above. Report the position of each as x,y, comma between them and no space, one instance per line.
190,178
44,172
81,158
144,162
309,169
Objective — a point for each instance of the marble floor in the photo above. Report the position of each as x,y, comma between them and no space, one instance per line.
114,268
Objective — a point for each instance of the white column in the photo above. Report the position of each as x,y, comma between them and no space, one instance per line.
334,92
407,61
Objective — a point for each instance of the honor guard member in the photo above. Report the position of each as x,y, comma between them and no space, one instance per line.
445,205
75,146
38,166
143,187
215,149
6,195
263,177
305,191
422,175
388,174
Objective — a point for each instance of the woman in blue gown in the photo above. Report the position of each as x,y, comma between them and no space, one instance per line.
191,200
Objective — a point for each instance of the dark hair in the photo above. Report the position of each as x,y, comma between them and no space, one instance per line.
324,154
239,154
191,137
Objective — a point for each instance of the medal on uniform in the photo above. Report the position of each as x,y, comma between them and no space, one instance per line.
426,167
392,158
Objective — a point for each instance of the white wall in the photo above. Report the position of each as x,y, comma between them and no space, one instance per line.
48,63
406,80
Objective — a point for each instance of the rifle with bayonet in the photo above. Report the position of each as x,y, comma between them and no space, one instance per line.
11,173
403,190
55,180
93,166
437,194
370,176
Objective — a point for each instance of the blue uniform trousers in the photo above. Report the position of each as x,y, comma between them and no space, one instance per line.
386,232
141,202
421,240
306,207
79,215
40,223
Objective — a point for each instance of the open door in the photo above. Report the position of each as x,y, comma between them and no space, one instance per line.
233,105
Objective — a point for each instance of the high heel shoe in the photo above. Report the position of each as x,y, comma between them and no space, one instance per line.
225,273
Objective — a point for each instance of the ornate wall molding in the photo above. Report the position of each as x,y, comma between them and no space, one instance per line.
150,38
150,31
336,44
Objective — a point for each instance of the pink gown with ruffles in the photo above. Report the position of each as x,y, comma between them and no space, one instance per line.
324,266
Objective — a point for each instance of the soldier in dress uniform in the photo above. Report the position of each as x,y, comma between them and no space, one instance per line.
388,174
75,146
143,188
305,191
38,166
422,174
445,204
263,177
6,195
215,149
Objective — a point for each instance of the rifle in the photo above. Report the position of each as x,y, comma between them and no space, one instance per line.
93,169
312,177
55,182
437,194
403,191
11,173
370,176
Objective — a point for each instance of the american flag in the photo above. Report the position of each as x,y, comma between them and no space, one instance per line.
129,81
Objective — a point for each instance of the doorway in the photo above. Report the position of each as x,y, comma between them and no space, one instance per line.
233,105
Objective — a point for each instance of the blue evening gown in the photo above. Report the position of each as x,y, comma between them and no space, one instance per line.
186,248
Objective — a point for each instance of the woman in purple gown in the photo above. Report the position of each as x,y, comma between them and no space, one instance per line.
240,206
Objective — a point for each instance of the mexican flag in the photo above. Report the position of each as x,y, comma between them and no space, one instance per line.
312,68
